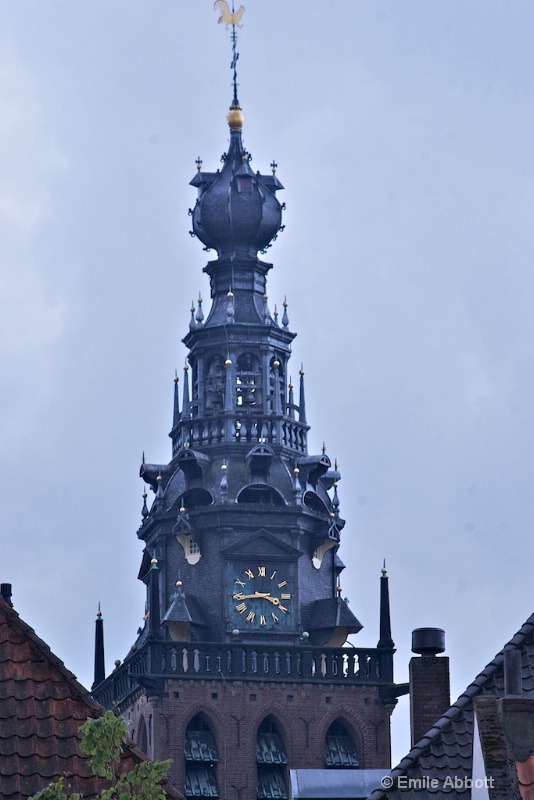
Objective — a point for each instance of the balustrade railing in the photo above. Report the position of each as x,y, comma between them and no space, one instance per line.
202,431
244,662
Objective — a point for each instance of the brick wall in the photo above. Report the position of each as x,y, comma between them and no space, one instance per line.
235,709
429,693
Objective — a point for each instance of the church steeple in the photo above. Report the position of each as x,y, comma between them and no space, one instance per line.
249,522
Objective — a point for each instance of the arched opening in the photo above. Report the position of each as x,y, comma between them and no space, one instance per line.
201,759
340,751
194,498
214,385
248,381
142,736
314,502
260,494
271,760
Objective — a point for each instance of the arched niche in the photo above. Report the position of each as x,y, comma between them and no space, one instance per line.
201,758
248,381
260,494
271,761
340,750
214,380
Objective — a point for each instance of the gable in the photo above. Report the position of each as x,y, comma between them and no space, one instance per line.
261,544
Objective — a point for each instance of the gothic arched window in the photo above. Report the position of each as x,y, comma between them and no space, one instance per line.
272,761
201,758
248,381
340,752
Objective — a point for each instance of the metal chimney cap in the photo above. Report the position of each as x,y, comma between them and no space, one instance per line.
428,641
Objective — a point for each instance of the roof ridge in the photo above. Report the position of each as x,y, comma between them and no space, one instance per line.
460,703
14,620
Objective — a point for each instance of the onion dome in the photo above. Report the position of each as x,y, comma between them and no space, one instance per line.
236,212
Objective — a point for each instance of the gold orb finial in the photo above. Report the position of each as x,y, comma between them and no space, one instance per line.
154,561
178,583
235,118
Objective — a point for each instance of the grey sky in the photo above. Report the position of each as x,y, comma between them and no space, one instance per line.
403,134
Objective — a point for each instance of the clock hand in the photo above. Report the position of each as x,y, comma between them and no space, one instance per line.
265,595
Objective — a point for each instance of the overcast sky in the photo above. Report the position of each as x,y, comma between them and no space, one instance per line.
403,134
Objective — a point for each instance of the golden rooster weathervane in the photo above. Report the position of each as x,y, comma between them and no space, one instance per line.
232,18
229,17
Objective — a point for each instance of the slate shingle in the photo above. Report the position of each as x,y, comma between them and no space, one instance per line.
447,748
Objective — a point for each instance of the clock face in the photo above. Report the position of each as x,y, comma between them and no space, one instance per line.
261,597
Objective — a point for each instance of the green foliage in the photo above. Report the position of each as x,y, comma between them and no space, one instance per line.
102,740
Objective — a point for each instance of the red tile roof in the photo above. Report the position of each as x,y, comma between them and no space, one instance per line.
42,706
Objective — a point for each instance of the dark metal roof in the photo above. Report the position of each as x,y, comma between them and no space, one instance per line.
447,748
332,612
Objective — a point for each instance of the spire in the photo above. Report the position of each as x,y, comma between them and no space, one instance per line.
176,408
186,404
302,399
285,318
100,667
144,510
154,619
159,499
291,401
385,621
200,314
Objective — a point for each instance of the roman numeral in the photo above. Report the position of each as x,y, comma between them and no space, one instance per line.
249,573
263,621
242,607
261,572
285,597
274,573
284,583
282,608
251,616
239,582
273,615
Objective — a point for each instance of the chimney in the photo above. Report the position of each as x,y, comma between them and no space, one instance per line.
5,591
429,681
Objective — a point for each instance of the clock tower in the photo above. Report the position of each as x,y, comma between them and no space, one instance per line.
241,670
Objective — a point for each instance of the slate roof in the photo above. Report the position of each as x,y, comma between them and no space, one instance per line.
42,706
330,612
447,748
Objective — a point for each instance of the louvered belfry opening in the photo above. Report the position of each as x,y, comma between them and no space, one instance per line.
340,751
201,759
272,762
